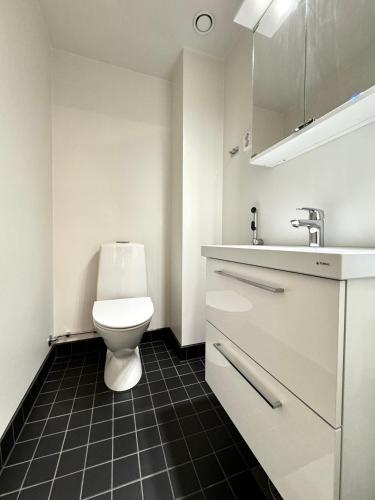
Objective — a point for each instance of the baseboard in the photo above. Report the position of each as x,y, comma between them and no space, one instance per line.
14,427
184,352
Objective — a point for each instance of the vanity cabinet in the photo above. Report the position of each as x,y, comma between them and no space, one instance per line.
311,59
290,356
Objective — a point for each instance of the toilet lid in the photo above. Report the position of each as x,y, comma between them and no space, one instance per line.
123,313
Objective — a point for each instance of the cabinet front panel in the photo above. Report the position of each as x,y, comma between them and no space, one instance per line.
340,55
278,75
297,335
297,449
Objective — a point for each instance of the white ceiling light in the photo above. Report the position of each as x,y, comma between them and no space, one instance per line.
204,22
251,12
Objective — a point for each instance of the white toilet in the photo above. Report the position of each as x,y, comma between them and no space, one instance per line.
122,311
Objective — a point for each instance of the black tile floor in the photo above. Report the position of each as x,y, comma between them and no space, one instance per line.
165,439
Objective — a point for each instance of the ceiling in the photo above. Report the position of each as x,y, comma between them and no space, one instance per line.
142,35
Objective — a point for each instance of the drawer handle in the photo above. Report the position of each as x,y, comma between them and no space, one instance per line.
269,288
249,377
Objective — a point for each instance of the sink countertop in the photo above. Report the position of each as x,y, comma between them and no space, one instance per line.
339,263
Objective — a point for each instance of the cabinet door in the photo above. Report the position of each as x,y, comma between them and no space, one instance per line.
278,73
340,53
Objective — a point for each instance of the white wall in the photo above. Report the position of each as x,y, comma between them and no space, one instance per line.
25,200
111,179
338,177
198,161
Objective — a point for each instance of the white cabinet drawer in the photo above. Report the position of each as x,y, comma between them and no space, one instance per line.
298,450
296,335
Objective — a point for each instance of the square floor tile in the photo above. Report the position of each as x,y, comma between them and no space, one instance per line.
39,492
22,452
161,399
170,431
190,425
122,396
244,483
12,477
101,431
67,487
219,438
155,375
209,419
124,445
56,424
184,480
152,461
50,444
76,437
140,390
66,394
80,419
176,453
231,461
102,413
123,409
169,372
221,491
129,492
96,480
165,414
194,390
62,408
31,431
208,470
173,382
148,437
39,413
99,453
201,403
41,469
84,403
198,445
85,390
178,394
145,419
188,379
184,409
157,487
125,470
158,386
124,425
105,398
71,461
142,404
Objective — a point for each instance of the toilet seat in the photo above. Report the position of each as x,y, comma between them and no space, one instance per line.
122,314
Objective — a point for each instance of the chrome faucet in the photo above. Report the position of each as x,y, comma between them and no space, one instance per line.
315,225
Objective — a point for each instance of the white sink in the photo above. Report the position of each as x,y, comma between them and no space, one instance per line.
327,262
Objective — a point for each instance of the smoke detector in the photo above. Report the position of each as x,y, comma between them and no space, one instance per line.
204,22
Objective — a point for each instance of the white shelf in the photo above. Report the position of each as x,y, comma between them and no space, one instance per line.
349,116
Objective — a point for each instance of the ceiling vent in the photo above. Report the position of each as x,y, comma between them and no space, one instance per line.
204,22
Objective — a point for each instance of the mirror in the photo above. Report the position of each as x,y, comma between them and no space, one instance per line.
340,55
278,73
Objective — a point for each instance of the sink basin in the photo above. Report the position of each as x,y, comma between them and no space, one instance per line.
339,263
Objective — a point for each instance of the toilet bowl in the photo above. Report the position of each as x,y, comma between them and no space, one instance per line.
122,312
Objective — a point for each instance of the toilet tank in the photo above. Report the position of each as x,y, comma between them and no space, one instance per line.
122,271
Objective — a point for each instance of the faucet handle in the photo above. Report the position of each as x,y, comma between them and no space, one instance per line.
314,213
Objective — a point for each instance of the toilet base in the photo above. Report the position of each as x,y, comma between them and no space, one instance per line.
122,372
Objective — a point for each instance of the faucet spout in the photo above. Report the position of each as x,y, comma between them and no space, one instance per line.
315,225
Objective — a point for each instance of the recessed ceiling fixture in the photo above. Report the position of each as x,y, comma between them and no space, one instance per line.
204,22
